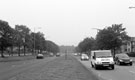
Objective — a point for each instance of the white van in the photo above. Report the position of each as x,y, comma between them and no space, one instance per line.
102,58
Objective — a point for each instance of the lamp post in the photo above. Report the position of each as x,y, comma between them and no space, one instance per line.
131,7
35,38
97,29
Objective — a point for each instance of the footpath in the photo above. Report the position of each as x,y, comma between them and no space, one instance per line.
16,58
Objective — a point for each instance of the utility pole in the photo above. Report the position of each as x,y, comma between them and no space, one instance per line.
35,40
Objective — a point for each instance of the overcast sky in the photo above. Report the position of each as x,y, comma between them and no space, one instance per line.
67,22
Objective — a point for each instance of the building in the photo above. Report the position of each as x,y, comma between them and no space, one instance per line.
128,46
131,45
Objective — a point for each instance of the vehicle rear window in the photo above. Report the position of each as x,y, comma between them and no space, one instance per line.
103,54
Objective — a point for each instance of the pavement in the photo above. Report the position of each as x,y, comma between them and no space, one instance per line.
8,58
16,58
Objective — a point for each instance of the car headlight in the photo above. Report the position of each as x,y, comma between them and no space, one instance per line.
131,60
121,60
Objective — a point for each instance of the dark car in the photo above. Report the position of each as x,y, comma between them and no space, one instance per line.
40,56
58,54
123,59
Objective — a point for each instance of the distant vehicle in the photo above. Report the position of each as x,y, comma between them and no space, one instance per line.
75,54
84,57
40,56
58,54
79,54
51,54
123,59
102,58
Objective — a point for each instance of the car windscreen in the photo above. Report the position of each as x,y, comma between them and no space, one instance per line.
123,56
84,55
103,54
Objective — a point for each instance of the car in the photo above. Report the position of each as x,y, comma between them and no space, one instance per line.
84,57
101,59
75,54
58,54
51,54
40,56
123,58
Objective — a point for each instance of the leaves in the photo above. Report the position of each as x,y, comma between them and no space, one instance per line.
22,36
86,44
111,37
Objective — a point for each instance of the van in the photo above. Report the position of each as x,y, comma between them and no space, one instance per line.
102,58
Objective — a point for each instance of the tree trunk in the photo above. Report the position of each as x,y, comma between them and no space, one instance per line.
114,52
11,50
19,50
32,51
2,51
24,50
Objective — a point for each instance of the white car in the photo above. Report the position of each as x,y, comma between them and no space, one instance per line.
84,57
40,56
75,54
102,58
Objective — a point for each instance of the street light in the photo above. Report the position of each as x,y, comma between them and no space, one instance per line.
97,29
35,38
131,7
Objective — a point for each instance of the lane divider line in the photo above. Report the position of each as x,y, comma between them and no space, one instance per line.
132,72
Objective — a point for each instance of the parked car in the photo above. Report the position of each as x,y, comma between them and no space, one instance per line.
84,57
102,58
123,59
58,54
51,54
40,56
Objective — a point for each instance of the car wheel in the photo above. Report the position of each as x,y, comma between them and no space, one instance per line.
112,67
118,63
130,64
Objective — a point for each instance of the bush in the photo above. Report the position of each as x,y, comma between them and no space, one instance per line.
131,54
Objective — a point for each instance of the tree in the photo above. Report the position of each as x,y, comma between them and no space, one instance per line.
111,37
86,45
5,36
23,36
52,47
38,41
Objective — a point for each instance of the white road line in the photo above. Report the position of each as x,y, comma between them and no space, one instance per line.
105,78
13,66
132,72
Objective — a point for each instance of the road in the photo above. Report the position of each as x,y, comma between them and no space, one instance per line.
119,73
59,68
49,68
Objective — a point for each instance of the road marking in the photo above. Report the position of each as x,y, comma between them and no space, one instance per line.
13,78
99,75
13,66
132,72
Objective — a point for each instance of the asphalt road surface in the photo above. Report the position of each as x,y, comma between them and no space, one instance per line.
119,73
50,68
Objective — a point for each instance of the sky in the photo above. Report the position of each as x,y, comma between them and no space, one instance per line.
67,22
